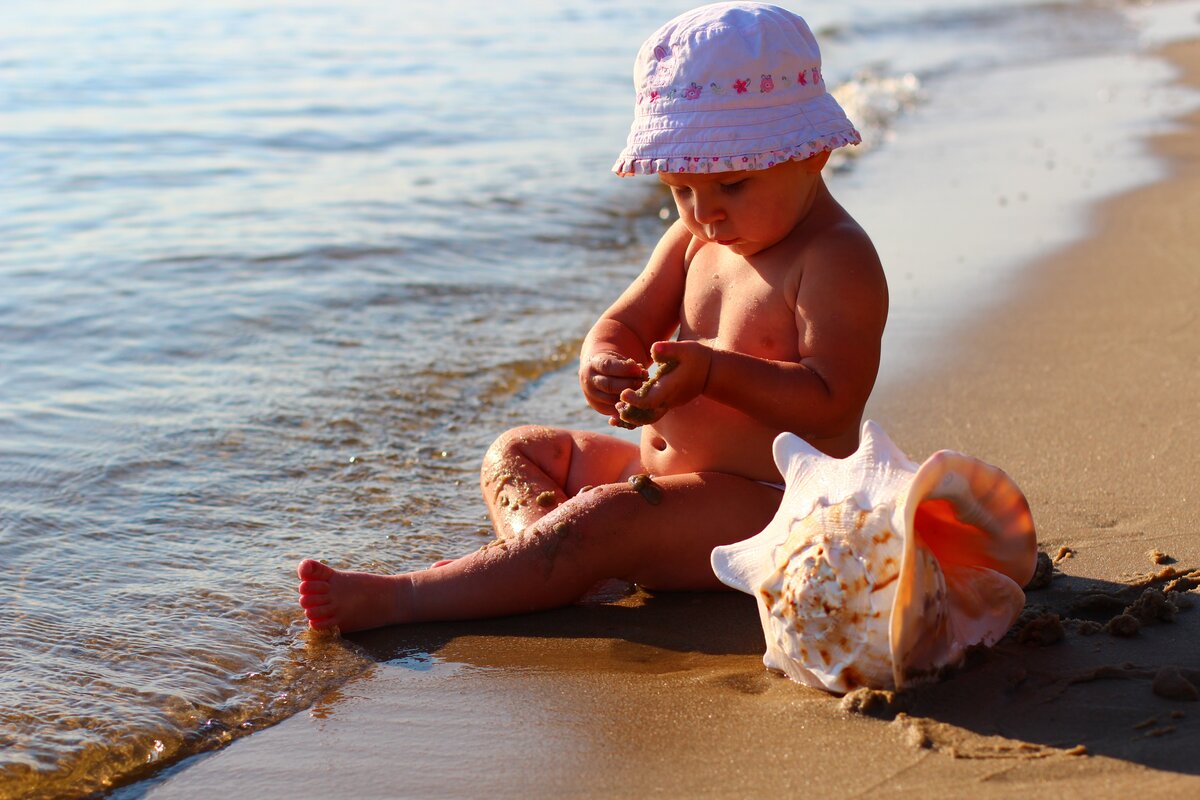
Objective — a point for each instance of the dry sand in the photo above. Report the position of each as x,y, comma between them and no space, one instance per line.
1084,388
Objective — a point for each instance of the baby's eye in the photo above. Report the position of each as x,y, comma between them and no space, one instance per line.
733,186
681,191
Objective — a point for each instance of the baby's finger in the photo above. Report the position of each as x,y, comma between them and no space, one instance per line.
617,367
663,349
640,395
613,386
617,422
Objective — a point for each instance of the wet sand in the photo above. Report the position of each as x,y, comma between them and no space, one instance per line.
1084,387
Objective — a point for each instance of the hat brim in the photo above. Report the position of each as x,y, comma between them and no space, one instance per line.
734,139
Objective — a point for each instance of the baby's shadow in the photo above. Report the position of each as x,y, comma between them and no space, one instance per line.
638,630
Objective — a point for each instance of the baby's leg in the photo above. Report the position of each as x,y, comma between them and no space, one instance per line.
531,470
526,474
612,531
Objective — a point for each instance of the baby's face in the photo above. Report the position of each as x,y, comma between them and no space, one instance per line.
746,211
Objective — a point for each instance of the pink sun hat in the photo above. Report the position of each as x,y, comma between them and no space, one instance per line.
730,86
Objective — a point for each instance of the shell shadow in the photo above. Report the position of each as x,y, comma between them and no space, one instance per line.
1091,667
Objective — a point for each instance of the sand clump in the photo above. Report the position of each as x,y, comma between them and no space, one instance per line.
1172,684
1041,630
650,491
635,416
1152,605
1159,557
1063,554
878,703
1123,625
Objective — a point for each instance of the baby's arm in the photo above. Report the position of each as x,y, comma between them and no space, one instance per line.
840,310
618,345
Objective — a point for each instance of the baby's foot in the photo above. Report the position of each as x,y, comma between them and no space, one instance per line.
350,601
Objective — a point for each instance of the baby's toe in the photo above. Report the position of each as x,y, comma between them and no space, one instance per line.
308,601
311,569
314,587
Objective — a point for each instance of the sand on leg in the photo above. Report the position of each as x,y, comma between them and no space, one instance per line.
531,470
612,531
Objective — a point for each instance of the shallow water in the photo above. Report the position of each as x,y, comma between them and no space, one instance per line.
275,276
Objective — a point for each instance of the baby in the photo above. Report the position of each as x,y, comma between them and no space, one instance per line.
766,300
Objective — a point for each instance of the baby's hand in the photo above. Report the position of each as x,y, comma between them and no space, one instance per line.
605,375
681,376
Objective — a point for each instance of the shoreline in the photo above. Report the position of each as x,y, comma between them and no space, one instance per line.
1081,385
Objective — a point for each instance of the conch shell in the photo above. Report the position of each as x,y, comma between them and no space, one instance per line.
876,572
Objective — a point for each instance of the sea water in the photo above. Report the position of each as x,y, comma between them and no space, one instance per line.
274,275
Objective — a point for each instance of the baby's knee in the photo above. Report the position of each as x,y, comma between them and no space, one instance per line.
512,441
546,448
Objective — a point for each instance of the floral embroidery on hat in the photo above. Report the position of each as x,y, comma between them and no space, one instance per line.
802,78
693,92
766,84
816,73
742,86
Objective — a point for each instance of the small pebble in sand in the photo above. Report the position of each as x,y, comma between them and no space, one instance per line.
1043,630
1087,628
1159,557
1063,553
1171,684
546,499
1123,625
1042,573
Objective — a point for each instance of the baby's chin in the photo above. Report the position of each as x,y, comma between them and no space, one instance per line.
741,247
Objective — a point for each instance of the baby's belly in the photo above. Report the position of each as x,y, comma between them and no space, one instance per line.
705,436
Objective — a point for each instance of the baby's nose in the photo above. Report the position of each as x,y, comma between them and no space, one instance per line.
708,211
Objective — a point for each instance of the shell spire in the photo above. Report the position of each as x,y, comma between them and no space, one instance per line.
876,571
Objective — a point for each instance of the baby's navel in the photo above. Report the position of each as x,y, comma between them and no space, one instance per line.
658,443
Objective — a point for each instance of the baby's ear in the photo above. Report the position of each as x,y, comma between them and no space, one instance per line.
816,163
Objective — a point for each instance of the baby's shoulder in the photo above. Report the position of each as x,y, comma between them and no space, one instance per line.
838,262
837,243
